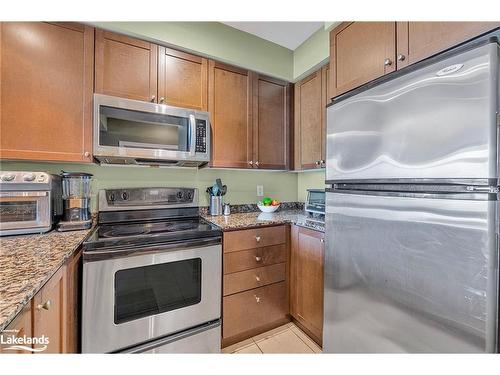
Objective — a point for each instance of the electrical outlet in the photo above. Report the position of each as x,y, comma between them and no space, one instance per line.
260,190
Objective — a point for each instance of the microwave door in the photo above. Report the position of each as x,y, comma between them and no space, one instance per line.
24,210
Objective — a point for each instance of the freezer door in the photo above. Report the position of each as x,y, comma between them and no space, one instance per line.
410,275
437,122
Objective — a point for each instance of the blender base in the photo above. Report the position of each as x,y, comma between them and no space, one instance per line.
66,226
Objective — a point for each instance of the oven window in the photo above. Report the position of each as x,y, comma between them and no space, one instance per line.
151,290
125,128
18,211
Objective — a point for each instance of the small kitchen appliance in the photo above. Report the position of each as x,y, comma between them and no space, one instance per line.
152,272
30,202
76,193
315,205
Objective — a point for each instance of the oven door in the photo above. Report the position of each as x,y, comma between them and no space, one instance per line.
132,296
24,212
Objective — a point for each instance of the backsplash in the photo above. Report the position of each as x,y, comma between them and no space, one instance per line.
252,207
309,180
242,185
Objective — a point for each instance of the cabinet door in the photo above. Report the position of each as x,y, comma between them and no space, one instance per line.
270,122
307,280
125,67
48,313
182,79
418,40
46,76
361,52
19,327
308,122
230,104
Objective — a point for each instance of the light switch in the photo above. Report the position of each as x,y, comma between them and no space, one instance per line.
260,190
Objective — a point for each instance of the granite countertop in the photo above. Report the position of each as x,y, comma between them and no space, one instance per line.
27,262
254,219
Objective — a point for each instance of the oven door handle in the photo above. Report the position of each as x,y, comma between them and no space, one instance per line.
127,251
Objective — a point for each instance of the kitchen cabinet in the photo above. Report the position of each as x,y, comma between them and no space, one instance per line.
46,87
306,280
182,79
19,327
418,40
255,282
125,66
53,312
363,51
311,97
271,106
230,106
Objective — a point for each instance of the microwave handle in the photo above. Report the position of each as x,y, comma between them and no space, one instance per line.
192,127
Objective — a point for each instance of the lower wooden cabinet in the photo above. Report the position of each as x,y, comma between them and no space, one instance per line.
52,312
255,282
306,280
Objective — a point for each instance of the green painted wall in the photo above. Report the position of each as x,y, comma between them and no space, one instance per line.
242,185
309,180
215,40
311,54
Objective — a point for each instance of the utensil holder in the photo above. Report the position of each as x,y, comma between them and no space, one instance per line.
215,205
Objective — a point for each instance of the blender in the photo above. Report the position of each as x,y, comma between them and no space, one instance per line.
76,201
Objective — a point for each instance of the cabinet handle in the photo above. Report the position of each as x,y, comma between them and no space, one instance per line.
162,99
322,240
387,62
257,299
86,154
318,162
401,57
257,278
45,306
322,162
257,238
153,98
258,259
250,162
257,164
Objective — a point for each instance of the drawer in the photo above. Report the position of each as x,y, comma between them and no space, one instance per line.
252,238
254,278
254,308
247,259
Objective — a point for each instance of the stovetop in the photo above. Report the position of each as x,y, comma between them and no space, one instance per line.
113,235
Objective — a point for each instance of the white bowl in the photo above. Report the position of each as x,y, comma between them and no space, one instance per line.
267,209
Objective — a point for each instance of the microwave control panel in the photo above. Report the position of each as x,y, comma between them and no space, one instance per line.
201,136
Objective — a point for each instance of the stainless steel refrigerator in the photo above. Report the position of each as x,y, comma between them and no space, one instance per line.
412,218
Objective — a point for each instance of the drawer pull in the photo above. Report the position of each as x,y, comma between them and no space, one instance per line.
257,278
45,306
258,259
257,238
257,299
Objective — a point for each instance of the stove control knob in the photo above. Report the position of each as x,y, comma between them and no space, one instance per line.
8,177
112,197
179,194
29,177
124,195
189,195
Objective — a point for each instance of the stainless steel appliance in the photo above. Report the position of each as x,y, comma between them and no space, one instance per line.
30,202
315,203
139,133
151,275
76,193
412,217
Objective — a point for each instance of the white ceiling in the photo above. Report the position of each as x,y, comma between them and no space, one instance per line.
286,34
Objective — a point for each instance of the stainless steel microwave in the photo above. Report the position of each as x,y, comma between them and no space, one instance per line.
132,132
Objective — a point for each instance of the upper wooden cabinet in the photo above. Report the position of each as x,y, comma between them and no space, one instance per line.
230,106
361,52
418,40
182,79
306,280
125,67
270,123
311,96
46,77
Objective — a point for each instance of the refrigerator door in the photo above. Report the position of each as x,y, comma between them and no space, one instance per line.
405,274
436,122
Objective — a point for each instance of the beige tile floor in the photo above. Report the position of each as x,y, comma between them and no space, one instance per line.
287,339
